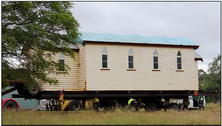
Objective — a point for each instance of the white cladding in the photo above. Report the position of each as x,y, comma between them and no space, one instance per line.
87,66
117,77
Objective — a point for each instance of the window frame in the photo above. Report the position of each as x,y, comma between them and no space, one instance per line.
61,58
155,55
130,59
104,53
35,67
179,60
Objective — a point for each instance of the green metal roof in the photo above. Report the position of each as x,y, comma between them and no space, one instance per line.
107,37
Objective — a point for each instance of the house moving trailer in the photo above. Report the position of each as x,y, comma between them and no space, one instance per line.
116,67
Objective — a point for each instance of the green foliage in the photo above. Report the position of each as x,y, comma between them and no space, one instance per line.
32,32
201,76
212,80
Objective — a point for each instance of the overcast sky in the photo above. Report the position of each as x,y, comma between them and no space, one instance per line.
199,21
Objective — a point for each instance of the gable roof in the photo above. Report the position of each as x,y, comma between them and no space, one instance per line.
136,39
72,46
197,56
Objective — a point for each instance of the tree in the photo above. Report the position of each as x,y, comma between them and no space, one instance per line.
32,32
212,81
201,76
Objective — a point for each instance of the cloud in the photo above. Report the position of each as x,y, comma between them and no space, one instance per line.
199,21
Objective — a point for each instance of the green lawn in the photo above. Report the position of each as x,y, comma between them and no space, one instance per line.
211,116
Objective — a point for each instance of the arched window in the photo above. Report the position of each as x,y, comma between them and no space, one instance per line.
179,60
35,64
61,62
155,60
104,58
130,58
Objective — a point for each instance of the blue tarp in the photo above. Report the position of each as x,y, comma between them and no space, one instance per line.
107,37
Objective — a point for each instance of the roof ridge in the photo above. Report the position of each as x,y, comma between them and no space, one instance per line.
112,36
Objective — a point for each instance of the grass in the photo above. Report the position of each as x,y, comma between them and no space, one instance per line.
210,117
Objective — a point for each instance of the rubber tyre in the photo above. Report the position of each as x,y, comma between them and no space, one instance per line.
200,103
74,106
34,90
10,105
201,108
152,107
174,107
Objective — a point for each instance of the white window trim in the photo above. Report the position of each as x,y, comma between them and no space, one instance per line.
128,59
156,55
179,70
62,58
105,53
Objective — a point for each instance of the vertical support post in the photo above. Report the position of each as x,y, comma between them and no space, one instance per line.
63,103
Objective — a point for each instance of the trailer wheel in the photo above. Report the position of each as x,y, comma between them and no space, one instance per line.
152,107
74,106
9,105
201,108
34,90
174,107
200,103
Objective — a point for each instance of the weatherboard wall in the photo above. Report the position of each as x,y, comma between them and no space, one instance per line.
116,77
87,66
68,82
81,68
